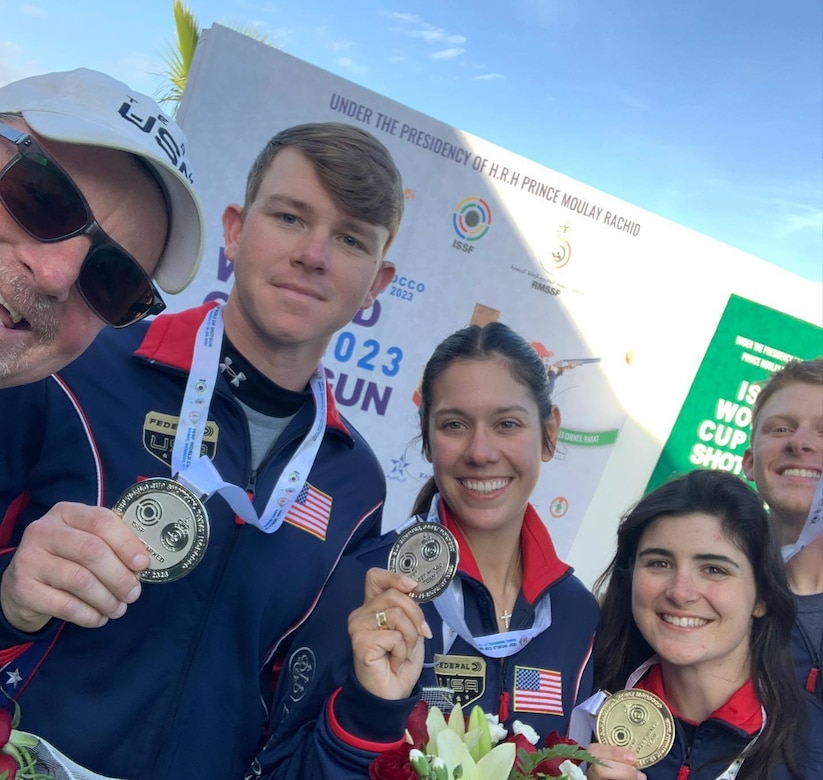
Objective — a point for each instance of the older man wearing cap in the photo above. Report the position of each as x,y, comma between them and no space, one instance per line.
97,198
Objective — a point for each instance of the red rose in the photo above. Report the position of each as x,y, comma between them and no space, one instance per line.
550,767
416,725
5,727
8,765
554,739
393,765
520,743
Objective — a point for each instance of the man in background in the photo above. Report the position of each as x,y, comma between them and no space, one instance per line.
785,460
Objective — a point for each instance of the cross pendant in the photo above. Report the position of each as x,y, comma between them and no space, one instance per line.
506,617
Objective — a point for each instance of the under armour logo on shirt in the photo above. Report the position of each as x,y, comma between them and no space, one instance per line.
234,378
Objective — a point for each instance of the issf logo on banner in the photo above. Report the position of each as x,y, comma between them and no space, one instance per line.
472,220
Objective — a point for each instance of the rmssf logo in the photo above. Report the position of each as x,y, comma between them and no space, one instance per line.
559,252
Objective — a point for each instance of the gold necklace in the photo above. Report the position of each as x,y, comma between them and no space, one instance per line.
505,616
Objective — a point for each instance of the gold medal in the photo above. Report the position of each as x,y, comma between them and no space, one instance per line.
172,522
428,553
638,721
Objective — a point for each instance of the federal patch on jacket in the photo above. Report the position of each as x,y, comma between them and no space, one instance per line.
159,431
538,690
311,511
465,675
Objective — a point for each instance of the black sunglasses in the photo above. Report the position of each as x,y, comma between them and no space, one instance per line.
42,198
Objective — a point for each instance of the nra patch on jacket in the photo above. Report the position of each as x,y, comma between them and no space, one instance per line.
158,436
464,675
301,671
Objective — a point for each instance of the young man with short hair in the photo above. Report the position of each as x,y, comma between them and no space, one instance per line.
785,460
179,684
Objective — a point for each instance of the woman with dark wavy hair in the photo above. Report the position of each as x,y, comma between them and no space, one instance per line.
697,610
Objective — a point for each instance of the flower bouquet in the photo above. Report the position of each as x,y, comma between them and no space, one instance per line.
25,756
16,759
477,748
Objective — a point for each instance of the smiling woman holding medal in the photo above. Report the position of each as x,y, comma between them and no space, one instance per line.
475,607
698,613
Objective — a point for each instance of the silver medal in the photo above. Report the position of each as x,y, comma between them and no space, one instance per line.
172,522
428,553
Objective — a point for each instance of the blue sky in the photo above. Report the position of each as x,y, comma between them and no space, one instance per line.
707,112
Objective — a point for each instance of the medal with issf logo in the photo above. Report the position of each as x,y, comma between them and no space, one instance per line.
638,721
426,552
171,521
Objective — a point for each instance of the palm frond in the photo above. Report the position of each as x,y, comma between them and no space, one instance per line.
178,58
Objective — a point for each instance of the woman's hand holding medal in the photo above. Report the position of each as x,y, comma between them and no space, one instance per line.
76,563
618,763
635,729
387,634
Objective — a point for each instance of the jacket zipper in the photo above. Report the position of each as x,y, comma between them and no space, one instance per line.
685,769
814,671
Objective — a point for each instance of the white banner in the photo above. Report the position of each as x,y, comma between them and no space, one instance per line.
619,301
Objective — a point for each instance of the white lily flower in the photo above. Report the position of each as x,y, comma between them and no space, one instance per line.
497,763
435,723
457,722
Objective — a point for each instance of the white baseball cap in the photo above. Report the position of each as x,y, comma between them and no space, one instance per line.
88,107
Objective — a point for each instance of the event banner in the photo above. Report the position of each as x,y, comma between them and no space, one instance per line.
712,430
486,235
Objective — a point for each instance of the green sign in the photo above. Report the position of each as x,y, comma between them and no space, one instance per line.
712,430
587,438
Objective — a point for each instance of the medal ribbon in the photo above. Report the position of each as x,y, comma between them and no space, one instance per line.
450,607
734,767
582,721
812,528
198,473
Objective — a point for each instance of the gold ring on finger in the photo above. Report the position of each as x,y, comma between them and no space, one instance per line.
382,620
